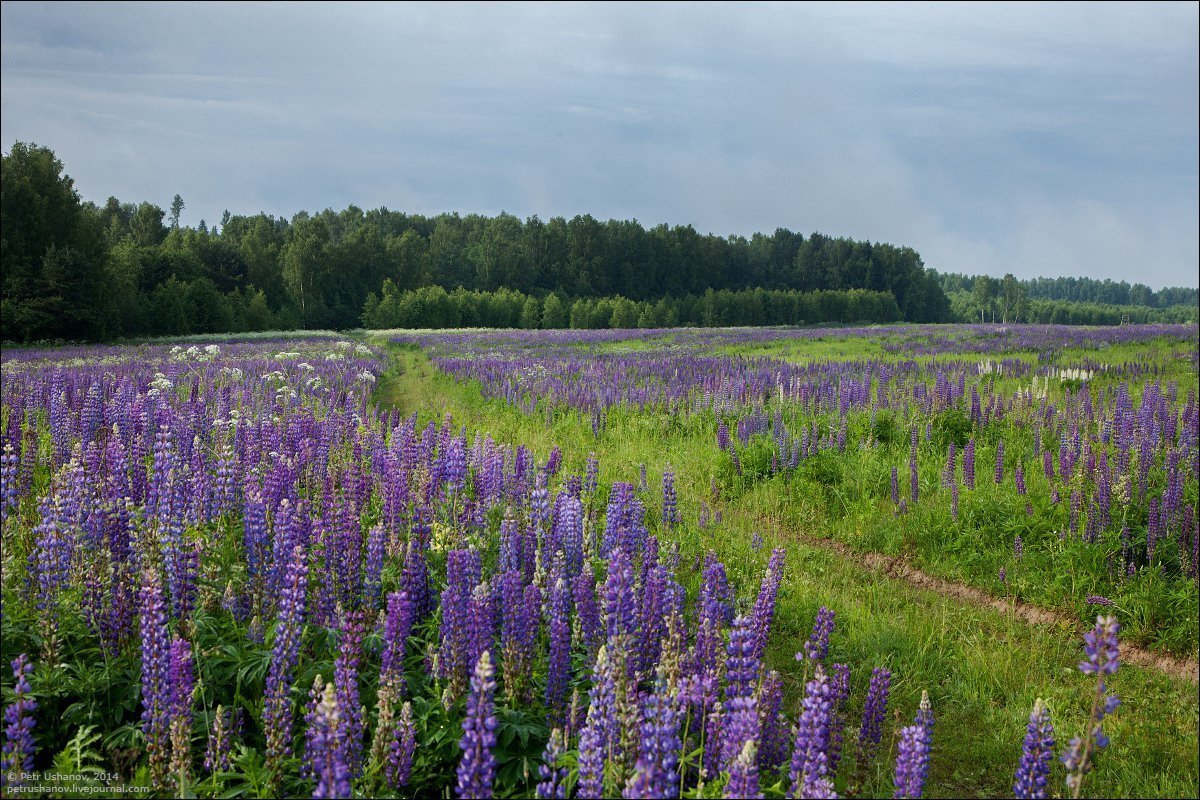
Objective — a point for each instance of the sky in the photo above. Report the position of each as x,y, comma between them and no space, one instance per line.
1038,139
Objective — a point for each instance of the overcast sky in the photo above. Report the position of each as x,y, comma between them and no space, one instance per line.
1034,139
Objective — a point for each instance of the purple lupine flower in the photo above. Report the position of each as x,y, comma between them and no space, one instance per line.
723,440
554,461
925,713
950,471
559,661
511,545
587,608
327,757
969,464
710,763
519,630
817,646
1097,600
220,742
396,629
1103,653
592,474
912,761
346,667
376,550
840,680
183,683
656,588
740,722
398,768
539,504
481,624
874,712
9,463
670,510
568,531
742,666
1033,771
743,774
773,749
415,577
600,730
18,727
454,464
764,604
895,486
620,601
998,477
156,676
477,769
553,783
1018,547
464,570
809,774
656,774
277,705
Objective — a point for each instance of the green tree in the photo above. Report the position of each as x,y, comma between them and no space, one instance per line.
53,251
554,314
984,293
530,314
147,225
302,261
1012,294
176,211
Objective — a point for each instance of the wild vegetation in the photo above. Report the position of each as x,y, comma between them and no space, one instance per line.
603,563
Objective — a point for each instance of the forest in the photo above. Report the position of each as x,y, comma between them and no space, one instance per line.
77,271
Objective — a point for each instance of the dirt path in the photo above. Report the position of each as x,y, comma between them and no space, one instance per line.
899,569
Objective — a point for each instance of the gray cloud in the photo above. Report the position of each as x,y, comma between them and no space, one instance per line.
1039,139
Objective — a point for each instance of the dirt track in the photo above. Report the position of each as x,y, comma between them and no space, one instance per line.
897,568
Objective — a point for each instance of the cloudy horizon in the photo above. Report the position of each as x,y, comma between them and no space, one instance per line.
1037,139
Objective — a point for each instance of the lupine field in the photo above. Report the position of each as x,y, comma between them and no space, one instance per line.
605,564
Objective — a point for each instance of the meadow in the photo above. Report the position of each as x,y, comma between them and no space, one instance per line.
693,562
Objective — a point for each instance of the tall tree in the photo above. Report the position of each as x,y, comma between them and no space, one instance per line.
52,251
176,211
984,294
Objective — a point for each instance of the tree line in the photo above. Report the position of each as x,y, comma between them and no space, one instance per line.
1105,292
965,307
434,307
77,270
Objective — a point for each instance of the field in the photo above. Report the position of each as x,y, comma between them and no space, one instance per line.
701,563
